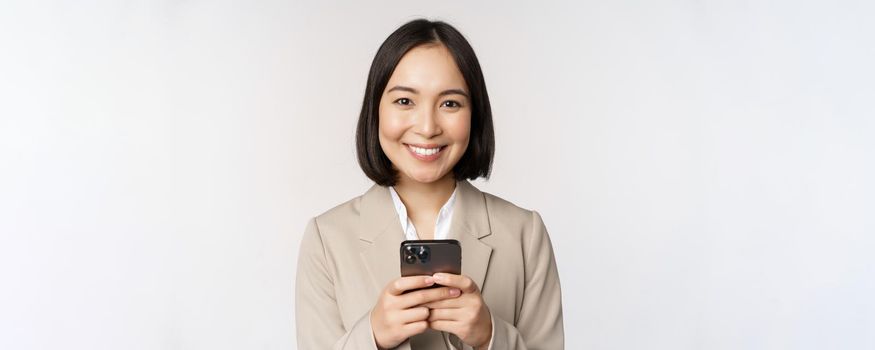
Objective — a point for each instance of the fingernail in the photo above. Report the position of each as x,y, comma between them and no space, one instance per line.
438,277
455,292
429,280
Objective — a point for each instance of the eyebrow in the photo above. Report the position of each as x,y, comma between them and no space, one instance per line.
442,93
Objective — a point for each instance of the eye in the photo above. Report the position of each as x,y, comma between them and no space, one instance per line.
451,104
403,101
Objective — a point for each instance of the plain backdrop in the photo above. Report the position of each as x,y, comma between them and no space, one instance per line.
705,168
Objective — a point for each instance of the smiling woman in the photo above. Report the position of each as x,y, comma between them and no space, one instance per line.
425,129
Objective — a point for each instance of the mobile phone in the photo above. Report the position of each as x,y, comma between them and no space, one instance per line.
427,257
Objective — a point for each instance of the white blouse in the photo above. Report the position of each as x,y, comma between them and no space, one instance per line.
441,226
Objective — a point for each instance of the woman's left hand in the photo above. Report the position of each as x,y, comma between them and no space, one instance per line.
465,316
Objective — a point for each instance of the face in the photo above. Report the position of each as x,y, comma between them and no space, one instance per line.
425,115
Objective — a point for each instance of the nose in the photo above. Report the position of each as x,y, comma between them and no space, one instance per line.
427,124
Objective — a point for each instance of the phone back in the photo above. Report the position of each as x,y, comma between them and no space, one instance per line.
427,257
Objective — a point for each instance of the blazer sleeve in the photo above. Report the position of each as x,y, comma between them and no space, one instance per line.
317,317
539,324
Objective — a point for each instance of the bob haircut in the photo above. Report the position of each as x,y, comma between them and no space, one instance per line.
477,159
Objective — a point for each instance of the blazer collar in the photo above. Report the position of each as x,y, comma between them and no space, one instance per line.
380,230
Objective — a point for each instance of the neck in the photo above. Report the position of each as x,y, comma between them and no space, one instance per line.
421,198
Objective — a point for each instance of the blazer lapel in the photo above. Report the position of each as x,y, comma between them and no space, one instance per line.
379,227
470,224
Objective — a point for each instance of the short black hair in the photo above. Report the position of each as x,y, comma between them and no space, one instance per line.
477,159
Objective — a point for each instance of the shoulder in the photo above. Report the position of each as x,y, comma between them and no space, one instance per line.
332,230
509,217
503,208
345,220
341,218
342,211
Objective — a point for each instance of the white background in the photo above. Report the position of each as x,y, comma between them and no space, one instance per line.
704,167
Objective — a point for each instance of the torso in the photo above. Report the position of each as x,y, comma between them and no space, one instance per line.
352,265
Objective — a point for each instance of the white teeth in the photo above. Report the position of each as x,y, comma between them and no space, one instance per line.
425,151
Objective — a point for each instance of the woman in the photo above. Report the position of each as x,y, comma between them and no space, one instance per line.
425,129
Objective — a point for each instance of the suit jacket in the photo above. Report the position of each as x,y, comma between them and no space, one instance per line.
349,253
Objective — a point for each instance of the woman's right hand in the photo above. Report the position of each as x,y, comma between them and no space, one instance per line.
398,315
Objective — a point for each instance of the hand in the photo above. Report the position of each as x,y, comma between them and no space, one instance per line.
398,315
466,316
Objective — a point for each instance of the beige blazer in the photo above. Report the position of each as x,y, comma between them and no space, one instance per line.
349,254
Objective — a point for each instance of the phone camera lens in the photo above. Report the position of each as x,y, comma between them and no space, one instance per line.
423,254
409,258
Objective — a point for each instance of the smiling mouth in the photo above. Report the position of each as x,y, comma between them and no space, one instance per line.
425,152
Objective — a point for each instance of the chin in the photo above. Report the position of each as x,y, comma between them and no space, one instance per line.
426,178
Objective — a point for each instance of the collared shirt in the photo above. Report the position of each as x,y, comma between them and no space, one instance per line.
441,226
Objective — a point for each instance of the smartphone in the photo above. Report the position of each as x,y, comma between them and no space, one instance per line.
427,257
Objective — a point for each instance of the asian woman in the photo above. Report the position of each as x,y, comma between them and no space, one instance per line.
424,130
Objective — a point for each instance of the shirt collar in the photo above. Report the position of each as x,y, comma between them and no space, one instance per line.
442,224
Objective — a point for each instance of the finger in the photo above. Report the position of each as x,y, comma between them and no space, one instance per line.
445,315
446,326
426,296
452,303
462,282
413,328
403,284
410,315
